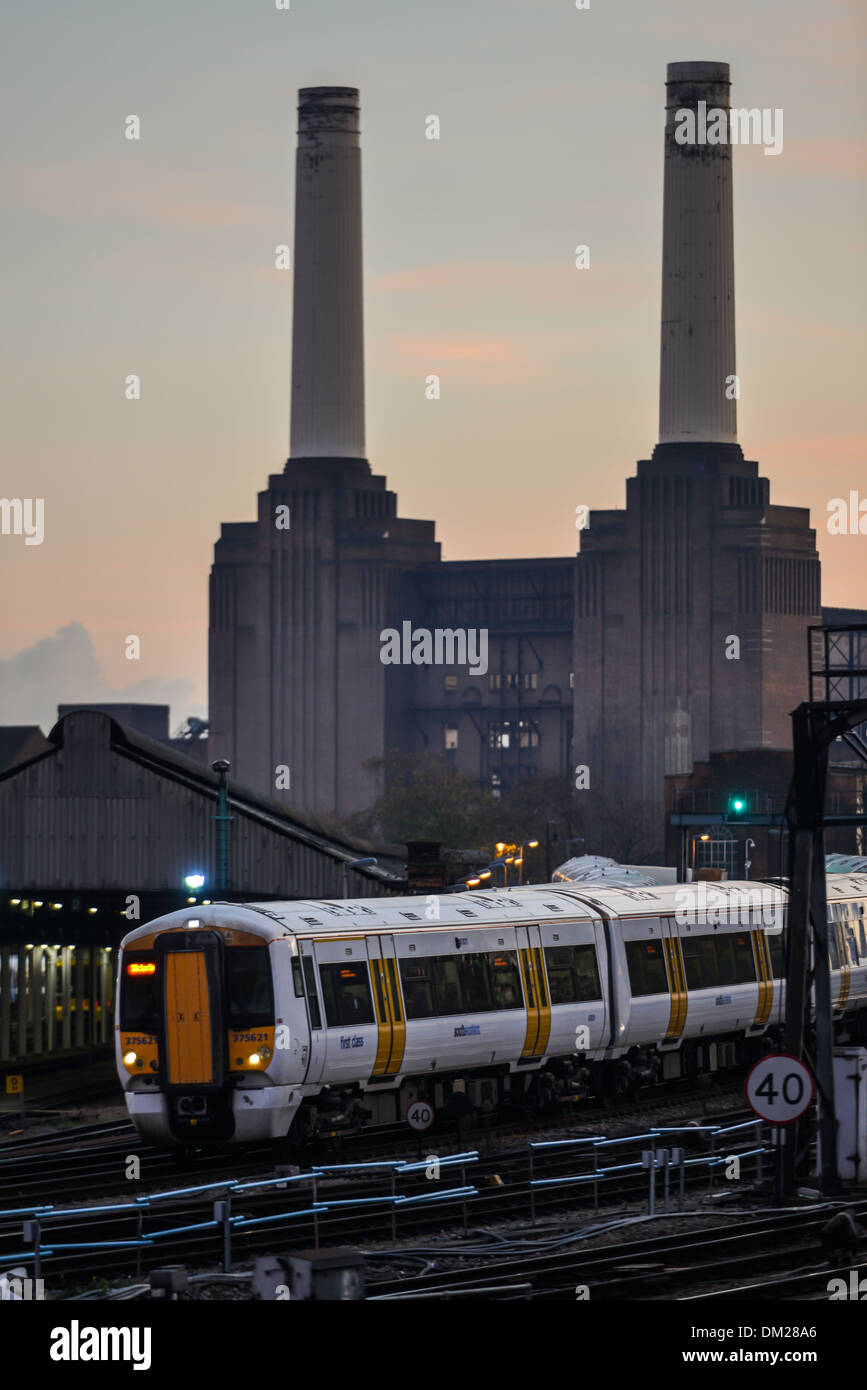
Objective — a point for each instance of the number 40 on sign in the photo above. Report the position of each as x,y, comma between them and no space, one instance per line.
780,1089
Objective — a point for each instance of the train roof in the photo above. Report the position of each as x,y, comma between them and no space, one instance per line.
534,903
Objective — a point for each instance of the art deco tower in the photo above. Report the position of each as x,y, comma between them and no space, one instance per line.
300,596
328,318
692,604
697,355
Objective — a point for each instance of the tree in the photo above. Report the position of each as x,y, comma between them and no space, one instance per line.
623,828
422,799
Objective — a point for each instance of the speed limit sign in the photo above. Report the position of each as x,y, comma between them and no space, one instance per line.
780,1089
420,1115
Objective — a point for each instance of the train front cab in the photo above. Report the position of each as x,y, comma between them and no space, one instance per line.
197,1038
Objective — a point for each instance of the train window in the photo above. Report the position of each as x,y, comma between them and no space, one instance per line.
852,943
475,983
572,974
417,988
138,992
833,949
505,981
447,985
701,962
775,944
735,958
296,978
346,990
744,960
248,978
312,997
646,967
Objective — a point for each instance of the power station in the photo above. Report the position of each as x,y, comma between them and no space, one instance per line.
678,631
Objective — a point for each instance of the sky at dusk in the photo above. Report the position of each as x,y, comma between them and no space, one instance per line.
156,257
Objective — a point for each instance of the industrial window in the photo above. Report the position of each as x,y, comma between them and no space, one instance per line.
450,682
346,990
530,680
572,974
646,967
451,737
511,680
250,997
138,992
495,681
528,736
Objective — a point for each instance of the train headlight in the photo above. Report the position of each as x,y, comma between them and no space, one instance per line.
254,1059
130,1059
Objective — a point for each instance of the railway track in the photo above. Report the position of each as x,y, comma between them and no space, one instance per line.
91,1160
372,1220
655,1268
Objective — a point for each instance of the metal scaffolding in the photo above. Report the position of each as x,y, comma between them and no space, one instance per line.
838,674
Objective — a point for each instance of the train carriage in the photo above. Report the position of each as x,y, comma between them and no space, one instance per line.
260,1021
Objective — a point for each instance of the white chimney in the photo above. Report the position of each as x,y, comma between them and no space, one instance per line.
328,325
697,360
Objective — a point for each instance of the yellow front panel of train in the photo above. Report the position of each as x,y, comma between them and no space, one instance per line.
188,1020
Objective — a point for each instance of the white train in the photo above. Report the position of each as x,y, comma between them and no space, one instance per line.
241,1022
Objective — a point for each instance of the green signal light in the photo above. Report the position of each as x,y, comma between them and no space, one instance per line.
738,805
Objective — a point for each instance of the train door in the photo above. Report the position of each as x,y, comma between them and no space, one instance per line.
387,1006
538,1002
764,976
305,967
193,1049
841,961
676,972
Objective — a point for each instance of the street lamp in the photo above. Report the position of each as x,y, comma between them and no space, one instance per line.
221,817
705,836
750,844
529,844
497,864
353,864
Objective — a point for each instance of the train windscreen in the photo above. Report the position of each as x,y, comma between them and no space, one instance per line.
138,992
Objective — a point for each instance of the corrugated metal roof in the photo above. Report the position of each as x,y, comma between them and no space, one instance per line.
105,807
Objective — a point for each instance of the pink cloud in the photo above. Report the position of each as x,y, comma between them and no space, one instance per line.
535,282
834,155
474,357
117,190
